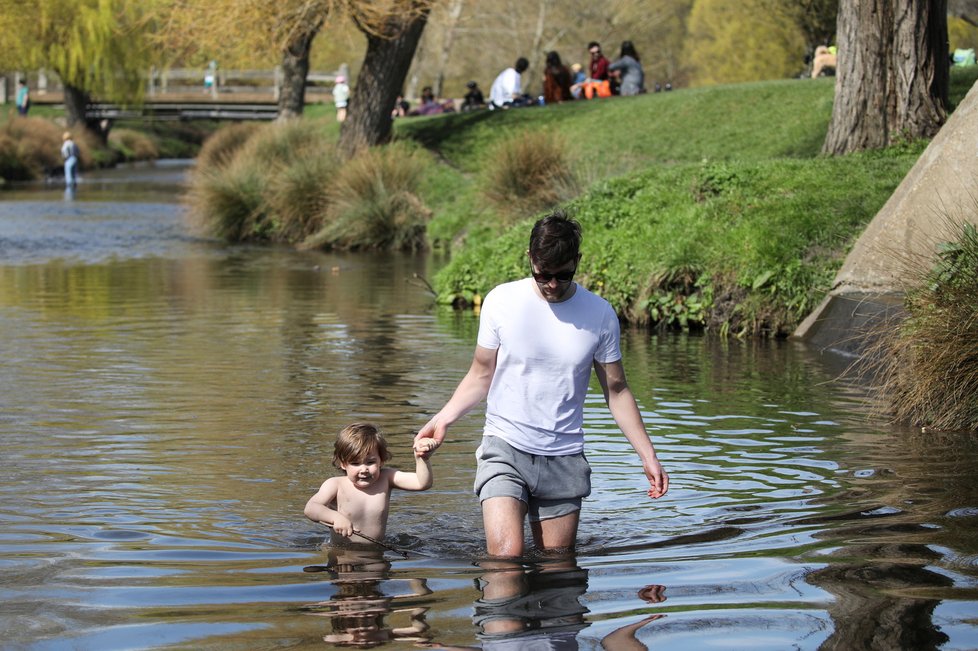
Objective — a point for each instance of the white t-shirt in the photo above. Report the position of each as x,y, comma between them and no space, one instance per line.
545,352
505,87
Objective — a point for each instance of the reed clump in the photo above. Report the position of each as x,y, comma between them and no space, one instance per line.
530,172
926,365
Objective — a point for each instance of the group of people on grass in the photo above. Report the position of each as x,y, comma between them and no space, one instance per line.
603,78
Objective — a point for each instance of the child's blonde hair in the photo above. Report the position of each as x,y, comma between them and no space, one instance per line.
356,441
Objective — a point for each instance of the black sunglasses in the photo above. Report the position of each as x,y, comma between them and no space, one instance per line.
560,276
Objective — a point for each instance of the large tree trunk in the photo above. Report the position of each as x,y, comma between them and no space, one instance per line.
892,79
385,66
295,69
76,102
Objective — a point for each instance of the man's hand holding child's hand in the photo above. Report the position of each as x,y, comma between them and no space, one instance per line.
425,447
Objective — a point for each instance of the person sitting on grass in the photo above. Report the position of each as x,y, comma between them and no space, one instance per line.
358,502
825,59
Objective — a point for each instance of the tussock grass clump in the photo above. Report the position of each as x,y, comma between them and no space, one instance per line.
927,364
227,202
220,147
30,148
270,184
529,172
133,145
299,194
374,202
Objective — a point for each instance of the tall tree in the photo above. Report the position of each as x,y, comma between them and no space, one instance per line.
390,48
295,62
892,79
98,48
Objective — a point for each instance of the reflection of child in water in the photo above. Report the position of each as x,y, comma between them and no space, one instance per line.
359,500
358,610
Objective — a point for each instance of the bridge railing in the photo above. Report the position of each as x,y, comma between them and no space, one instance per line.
197,84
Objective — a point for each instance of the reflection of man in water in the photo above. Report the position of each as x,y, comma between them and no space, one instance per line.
358,610
538,607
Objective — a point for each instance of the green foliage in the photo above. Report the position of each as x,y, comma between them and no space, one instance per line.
744,41
961,34
663,244
99,46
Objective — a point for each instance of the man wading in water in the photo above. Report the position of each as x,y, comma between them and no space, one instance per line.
538,340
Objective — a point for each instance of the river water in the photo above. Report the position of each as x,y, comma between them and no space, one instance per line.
168,404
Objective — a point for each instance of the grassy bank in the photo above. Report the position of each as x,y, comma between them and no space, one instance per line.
706,207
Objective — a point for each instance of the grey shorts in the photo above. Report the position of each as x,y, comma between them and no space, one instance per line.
549,486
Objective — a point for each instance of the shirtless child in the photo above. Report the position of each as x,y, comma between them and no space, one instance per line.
359,500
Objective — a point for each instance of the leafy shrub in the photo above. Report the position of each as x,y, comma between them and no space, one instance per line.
528,173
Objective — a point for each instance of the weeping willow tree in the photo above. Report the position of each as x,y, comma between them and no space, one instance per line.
99,48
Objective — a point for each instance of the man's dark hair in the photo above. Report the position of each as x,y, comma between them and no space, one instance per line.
522,64
555,240
593,44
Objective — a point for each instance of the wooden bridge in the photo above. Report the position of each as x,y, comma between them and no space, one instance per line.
188,94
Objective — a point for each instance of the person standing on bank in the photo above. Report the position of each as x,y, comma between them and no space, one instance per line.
538,340
23,98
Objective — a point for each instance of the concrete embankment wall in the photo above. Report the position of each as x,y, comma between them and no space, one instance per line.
938,195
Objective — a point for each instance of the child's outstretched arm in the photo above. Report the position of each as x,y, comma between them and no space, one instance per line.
317,509
421,479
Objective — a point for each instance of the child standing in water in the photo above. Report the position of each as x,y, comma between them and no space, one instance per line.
359,500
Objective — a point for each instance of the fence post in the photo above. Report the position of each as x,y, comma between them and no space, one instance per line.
3,89
151,90
277,83
42,81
